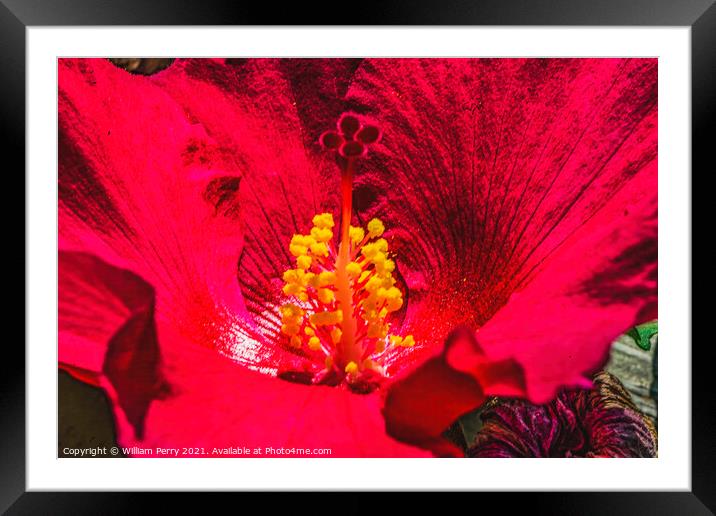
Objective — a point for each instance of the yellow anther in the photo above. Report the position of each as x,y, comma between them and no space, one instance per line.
303,262
314,343
353,269
371,295
291,310
369,251
392,296
375,228
406,342
325,295
300,244
304,240
379,259
356,235
321,234
323,220
292,289
297,250
296,276
387,282
319,249
326,278
394,304
326,318
386,267
381,245
373,284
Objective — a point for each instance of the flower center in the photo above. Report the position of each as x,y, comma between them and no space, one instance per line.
341,298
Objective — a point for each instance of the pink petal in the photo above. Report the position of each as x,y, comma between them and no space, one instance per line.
425,400
143,186
249,108
493,173
598,283
191,396
216,403
107,334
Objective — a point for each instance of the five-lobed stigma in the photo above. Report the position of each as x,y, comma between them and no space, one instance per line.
341,297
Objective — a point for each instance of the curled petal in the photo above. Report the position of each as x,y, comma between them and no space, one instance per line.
425,400
107,335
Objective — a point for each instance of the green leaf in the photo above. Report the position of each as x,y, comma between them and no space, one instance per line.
643,333
470,424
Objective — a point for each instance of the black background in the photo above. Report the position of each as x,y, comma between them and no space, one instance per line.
16,15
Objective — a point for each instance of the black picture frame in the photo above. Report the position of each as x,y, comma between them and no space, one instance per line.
17,15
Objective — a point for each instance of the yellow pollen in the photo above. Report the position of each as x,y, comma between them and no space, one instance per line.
326,318
322,234
353,269
314,343
356,235
319,249
325,295
303,262
323,220
406,342
325,278
375,228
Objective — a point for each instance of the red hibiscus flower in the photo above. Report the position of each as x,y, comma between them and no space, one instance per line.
238,270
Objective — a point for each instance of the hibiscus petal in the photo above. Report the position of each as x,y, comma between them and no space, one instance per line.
143,186
193,397
531,181
601,281
486,166
107,333
249,107
425,400
217,404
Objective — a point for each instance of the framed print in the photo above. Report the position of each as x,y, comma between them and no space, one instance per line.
366,256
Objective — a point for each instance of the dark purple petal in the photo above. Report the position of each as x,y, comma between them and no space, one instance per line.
601,422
